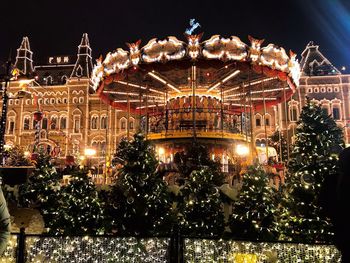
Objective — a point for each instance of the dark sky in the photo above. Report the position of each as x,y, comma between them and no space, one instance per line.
55,27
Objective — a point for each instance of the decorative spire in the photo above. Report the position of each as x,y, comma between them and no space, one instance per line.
83,65
314,63
24,58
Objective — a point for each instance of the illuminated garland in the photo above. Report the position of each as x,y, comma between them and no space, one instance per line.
96,249
250,252
216,47
105,249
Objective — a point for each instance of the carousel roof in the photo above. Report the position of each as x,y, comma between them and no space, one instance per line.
222,68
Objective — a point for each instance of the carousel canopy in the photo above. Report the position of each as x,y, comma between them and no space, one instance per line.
225,69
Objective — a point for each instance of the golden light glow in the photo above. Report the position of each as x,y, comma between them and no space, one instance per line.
242,150
90,152
161,151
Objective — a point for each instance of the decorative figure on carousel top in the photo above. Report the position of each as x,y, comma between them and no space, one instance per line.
255,48
193,27
135,52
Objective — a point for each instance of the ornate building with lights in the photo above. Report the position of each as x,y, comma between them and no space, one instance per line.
73,117
77,113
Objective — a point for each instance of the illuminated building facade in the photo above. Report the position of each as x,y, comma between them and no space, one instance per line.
74,118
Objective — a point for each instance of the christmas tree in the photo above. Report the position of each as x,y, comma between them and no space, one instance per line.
42,185
253,215
139,200
317,139
78,209
201,211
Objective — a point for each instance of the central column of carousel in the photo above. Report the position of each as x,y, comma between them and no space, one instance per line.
193,86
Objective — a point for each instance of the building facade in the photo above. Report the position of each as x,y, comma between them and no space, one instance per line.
74,117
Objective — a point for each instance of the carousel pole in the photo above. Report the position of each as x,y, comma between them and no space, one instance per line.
128,116
252,139
166,111
147,124
265,128
193,84
222,112
286,120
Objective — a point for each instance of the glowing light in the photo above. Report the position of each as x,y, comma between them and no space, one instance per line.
90,152
163,81
242,150
230,76
161,151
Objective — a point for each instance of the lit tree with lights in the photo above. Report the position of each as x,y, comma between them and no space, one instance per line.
201,211
253,215
78,209
317,139
139,201
42,186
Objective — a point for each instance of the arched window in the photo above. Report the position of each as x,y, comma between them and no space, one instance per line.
49,80
102,148
64,79
26,123
267,121
63,123
44,124
76,124
336,113
81,100
325,110
293,113
104,122
94,122
34,123
75,100
11,126
258,121
52,101
53,124
123,124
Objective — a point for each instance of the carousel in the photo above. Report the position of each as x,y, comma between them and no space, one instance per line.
208,91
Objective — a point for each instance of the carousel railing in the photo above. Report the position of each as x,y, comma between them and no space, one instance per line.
207,120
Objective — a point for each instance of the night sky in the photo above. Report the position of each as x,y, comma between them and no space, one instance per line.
56,27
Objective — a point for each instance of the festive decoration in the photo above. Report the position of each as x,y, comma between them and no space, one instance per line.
202,250
193,26
313,158
201,212
96,249
139,200
77,210
43,184
216,47
253,215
